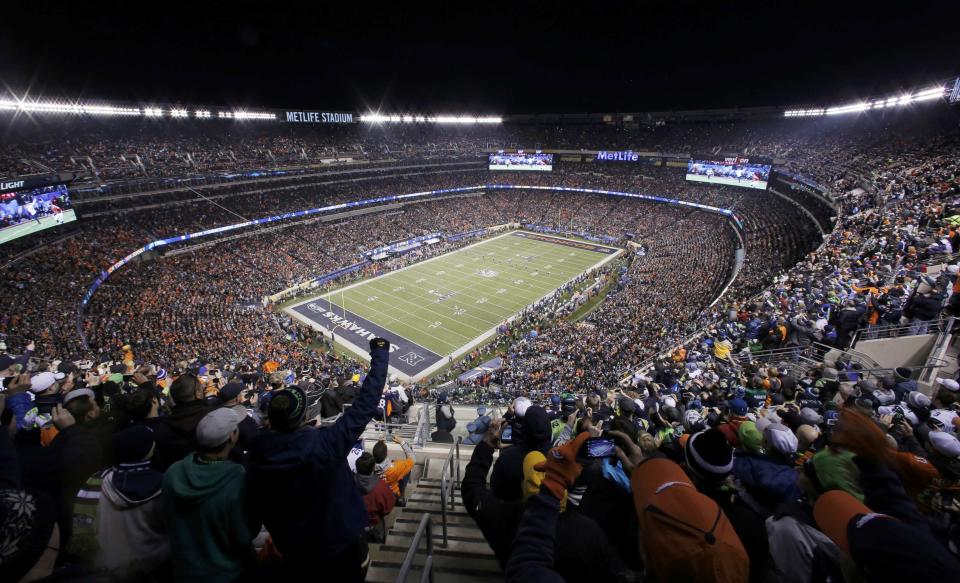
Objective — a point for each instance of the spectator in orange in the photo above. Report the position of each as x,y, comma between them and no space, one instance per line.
395,473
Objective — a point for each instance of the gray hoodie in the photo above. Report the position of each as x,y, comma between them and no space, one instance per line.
130,527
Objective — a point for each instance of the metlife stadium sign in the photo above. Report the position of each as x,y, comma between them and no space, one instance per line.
627,156
318,117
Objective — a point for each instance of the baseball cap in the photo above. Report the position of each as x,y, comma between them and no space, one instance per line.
738,407
43,381
231,390
76,393
694,540
949,383
884,548
6,361
216,426
780,439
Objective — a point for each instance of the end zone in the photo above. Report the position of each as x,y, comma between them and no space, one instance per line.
406,357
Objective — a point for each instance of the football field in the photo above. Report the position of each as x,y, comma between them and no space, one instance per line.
444,306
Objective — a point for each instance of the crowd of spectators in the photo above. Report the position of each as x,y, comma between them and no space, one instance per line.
154,450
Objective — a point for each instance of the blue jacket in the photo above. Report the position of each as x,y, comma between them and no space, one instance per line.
767,479
302,485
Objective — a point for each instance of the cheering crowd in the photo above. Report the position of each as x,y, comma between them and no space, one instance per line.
179,400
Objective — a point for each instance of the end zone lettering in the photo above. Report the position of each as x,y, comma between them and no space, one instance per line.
318,117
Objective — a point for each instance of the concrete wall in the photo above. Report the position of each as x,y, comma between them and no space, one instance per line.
902,351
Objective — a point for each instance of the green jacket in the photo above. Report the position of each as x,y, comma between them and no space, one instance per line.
209,520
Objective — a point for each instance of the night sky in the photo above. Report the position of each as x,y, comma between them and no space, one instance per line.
482,57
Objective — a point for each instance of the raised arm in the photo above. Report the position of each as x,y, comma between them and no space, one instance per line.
345,432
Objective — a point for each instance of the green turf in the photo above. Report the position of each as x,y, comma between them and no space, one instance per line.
30,227
519,272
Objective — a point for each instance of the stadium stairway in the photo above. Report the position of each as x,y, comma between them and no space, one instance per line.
467,558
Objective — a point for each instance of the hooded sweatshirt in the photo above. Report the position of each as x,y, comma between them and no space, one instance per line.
321,511
377,497
209,523
130,523
506,481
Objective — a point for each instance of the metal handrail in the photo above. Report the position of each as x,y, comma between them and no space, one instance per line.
425,528
454,453
896,330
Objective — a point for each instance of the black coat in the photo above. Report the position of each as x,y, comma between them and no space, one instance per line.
176,433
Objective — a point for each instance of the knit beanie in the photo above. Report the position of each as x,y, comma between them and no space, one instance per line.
709,456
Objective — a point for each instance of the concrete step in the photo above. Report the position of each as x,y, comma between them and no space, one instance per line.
389,575
462,532
471,547
433,508
453,562
452,520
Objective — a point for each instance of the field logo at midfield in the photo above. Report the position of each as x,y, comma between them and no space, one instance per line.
412,358
441,296
487,273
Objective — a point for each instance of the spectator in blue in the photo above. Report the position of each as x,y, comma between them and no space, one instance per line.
307,495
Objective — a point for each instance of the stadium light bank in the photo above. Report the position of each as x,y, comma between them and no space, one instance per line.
99,109
931,94
441,119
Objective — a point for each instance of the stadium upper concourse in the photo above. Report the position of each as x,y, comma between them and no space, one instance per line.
747,296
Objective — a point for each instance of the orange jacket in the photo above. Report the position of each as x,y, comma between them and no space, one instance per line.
396,471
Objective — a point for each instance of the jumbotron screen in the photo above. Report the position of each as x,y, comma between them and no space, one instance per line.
521,161
730,171
26,212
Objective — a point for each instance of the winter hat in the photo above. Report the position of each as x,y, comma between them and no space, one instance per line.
884,548
695,541
441,397
810,417
830,374
949,383
216,426
708,455
866,386
780,439
287,408
133,444
918,400
43,381
692,421
738,407
750,437
945,444
520,406
231,391
901,373
555,400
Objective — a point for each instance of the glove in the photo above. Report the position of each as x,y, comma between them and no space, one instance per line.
379,344
561,467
